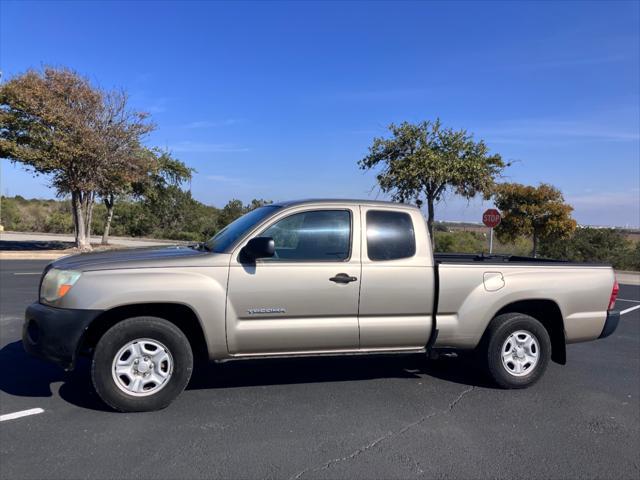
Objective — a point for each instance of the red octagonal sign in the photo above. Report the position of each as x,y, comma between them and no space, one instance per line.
491,218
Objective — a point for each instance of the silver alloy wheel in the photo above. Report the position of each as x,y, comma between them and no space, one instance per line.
520,353
142,367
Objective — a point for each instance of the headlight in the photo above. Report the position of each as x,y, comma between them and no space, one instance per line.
57,283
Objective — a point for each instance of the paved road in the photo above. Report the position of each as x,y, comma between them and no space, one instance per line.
398,417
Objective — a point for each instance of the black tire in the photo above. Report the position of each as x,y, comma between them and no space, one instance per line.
155,329
503,373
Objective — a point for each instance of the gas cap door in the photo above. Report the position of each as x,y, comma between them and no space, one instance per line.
493,281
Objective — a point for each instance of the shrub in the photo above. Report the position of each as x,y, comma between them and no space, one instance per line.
59,222
460,242
604,245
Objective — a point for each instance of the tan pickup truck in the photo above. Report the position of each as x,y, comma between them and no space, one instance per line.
308,278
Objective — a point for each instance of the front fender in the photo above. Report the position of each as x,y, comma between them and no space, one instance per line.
201,289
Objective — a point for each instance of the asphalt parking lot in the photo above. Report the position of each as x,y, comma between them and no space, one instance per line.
353,417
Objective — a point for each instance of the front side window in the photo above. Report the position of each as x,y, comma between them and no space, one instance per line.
315,235
390,235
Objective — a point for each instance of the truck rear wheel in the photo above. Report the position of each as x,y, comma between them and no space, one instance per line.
141,364
517,350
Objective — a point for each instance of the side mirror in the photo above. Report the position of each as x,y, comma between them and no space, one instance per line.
258,247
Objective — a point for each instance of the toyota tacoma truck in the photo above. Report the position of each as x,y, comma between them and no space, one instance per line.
315,277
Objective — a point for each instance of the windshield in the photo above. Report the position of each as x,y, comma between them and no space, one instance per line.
236,229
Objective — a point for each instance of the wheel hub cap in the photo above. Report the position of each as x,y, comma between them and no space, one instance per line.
520,353
142,367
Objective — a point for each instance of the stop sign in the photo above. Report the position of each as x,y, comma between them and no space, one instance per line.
491,218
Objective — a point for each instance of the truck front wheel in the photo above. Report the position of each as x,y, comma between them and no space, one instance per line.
141,364
517,350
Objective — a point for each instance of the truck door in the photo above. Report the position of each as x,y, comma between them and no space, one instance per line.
398,282
305,298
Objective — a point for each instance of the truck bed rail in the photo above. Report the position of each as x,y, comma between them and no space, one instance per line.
497,259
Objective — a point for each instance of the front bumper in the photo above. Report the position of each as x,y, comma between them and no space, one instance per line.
610,324
55,334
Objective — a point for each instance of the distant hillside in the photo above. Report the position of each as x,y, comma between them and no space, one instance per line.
193,221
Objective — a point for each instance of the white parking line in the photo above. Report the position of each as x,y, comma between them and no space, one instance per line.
628,310
27,273
625,300
22,413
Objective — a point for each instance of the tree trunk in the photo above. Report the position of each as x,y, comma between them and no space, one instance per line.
89,203
82,242
109,202
430,218
535,246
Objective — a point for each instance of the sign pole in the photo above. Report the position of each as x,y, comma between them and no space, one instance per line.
491,241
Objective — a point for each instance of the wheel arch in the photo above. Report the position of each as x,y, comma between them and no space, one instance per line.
181,315
548,313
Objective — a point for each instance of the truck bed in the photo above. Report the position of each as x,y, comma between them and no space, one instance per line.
473,289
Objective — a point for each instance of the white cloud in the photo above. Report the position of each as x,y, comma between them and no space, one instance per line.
628,199
524,131
229,181
620,208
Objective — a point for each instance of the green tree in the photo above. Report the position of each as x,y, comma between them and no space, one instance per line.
165,202
165,172
86,140
232,210
235,209
605,245
425,161
48,122
539,212
122,160
132,220
10,212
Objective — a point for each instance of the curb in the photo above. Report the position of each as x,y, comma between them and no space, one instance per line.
97,238
44,255
627,277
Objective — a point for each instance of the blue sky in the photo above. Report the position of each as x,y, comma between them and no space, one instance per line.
280,100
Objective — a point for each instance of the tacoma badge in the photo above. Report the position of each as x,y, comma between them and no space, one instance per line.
253,311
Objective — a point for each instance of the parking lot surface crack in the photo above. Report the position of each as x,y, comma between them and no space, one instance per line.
387,436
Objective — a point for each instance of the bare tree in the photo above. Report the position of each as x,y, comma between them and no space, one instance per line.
123,160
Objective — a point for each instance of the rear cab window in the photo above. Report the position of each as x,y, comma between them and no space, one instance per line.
390,235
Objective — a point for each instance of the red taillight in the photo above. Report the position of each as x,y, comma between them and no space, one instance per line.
614,295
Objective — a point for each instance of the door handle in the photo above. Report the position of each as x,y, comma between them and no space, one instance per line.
343,278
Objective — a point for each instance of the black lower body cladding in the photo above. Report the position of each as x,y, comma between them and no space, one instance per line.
54,334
